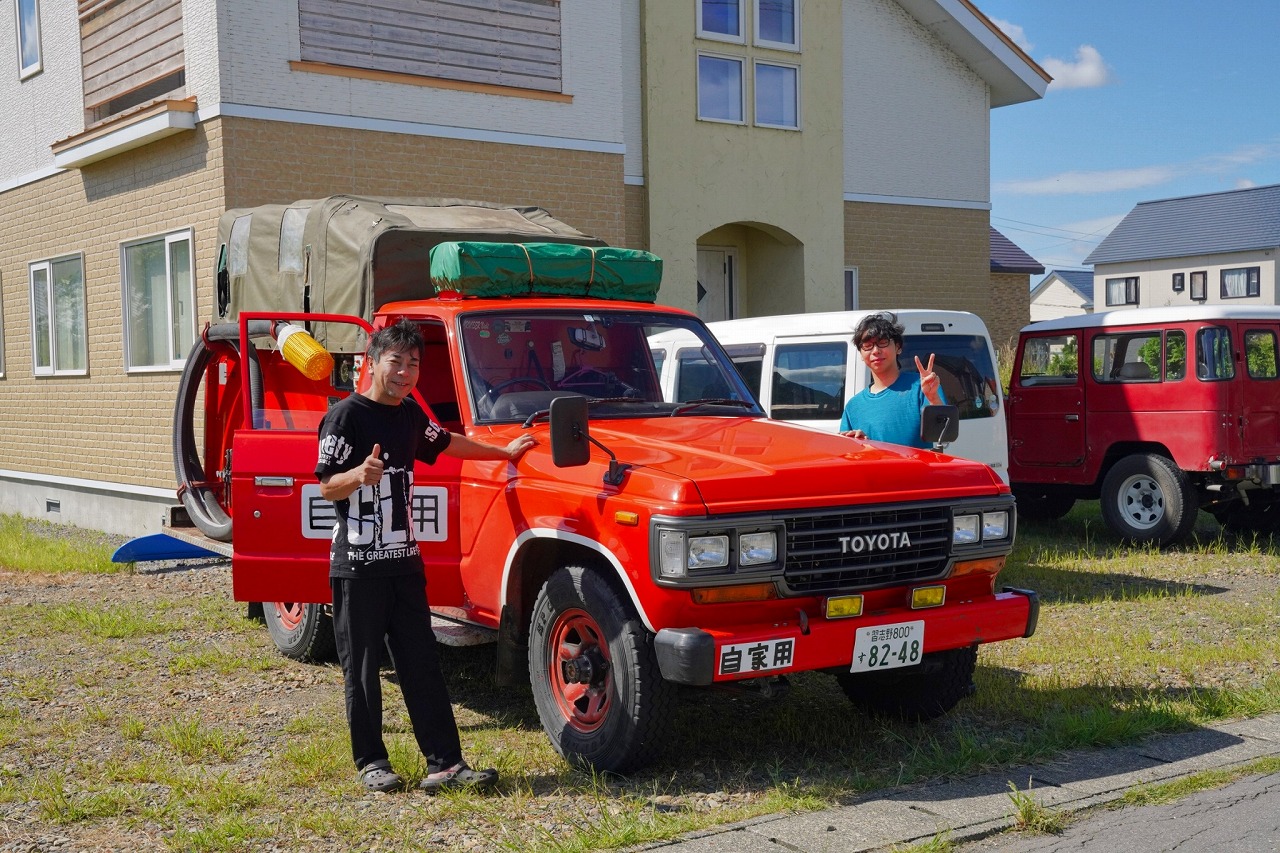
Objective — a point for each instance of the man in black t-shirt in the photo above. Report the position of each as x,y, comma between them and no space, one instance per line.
368,444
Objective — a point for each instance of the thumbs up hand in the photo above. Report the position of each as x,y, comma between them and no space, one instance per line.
372,467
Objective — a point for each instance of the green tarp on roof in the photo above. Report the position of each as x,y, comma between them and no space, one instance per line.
516,269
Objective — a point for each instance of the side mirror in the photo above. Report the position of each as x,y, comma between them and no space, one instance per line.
570,436
939,424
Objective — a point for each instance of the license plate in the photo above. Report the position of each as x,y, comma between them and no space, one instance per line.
887,646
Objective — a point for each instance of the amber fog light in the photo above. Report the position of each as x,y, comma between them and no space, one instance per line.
928,596
844,606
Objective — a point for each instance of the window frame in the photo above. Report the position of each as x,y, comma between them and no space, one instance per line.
741,62
1130,298
1252,285
1179,283
26,71
177,358
756,64
1274,361
703,33
793,46
47,265
1200,281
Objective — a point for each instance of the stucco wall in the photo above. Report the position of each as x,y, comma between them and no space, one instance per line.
916,118
1155,288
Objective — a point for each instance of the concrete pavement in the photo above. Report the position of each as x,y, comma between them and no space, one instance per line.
979,806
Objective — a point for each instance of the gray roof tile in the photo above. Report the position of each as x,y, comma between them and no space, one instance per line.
1008,258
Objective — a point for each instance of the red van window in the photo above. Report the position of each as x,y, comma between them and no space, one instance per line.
1260,353
1213,354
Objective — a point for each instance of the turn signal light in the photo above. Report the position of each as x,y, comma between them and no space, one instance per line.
988,566
731,594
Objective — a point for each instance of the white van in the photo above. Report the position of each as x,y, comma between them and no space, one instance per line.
814,368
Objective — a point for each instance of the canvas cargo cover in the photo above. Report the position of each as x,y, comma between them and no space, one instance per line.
350,254
517,269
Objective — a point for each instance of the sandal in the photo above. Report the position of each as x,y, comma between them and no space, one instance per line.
380,778
458,777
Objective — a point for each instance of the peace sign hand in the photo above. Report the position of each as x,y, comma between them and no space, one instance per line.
929,381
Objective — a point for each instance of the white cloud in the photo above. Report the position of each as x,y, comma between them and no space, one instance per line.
1014,32
1085,183
1245,183
1087,72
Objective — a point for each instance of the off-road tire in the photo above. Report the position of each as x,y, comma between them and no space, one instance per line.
917,693
300,631
582,628
1147,498
1036,505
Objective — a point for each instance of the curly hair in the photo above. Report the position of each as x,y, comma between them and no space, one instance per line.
882,325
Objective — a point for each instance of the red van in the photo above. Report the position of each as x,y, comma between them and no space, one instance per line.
1158,412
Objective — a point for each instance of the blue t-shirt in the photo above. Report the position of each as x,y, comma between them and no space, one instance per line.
890,415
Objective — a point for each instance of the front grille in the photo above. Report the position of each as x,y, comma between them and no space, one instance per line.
816,562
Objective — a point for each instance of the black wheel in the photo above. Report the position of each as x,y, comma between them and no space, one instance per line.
1260,516
300,631
1036,505
594,673
927,690
1146,498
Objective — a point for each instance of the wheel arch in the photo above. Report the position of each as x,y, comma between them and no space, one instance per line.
1123,449
538,552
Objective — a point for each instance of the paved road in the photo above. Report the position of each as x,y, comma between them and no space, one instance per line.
1241,818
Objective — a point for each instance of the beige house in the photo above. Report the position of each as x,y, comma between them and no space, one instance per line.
798,155
1062,293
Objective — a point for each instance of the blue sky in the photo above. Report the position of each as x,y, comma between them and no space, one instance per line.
1152,99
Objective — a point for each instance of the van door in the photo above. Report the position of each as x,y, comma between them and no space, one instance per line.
1260,391
1046,409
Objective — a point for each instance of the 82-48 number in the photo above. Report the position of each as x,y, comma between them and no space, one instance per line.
888,646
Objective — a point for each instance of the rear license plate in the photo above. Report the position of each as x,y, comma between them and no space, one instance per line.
888,646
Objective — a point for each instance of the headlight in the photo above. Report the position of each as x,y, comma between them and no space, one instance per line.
755,549
965,530
708,552
995,525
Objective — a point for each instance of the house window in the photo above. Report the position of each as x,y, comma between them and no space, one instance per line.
1122,291
1240,283
777,95
720,19
28,18
514,43
720,88
1199,282
1179,282
58,341
851,289
777,24
159,301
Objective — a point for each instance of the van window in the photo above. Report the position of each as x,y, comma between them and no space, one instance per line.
1213,354
1049,360
1260,353
964,367
808,381
698,376
1131,357
749,359
1175,355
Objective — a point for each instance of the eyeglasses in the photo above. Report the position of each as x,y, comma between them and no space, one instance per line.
868,346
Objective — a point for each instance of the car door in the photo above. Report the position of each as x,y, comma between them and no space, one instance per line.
1260,390
1046,409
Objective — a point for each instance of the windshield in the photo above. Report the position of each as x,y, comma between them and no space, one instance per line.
518,362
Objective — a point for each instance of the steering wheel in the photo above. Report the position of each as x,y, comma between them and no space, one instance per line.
534,381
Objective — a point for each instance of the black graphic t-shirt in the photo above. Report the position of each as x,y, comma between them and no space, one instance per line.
373,536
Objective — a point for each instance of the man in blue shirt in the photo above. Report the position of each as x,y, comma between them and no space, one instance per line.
889,409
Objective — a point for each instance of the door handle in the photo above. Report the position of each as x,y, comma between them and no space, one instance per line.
273,481
1073,417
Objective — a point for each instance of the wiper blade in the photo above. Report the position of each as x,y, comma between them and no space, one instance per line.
710,401
591,401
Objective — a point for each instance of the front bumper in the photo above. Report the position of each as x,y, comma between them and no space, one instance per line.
698,657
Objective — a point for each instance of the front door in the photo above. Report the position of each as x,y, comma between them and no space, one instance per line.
715,284
1046,411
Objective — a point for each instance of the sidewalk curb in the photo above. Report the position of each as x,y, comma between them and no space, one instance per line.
975,807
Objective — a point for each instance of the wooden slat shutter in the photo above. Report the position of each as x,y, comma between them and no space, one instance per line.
127,45
499,42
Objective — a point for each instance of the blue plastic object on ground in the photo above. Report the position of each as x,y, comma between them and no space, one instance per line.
159,546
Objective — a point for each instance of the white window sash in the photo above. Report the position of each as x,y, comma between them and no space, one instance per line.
162,317
760,41
740,63
793,96
27,24
703,33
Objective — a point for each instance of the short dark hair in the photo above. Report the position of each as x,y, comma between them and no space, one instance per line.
879,326
401,336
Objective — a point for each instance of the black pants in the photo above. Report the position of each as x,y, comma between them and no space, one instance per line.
366,610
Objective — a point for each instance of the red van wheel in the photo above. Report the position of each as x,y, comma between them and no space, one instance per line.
595,678
1147,498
